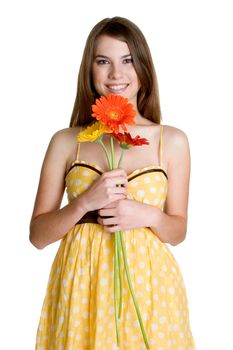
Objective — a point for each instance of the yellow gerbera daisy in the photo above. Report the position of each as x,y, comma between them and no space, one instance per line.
92,132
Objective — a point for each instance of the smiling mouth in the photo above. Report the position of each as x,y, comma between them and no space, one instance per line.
118,87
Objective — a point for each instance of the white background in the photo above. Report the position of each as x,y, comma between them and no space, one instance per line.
41,48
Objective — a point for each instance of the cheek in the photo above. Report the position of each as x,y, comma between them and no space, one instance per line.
135,77
98,75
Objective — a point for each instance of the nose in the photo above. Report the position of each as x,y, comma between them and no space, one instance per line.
115,72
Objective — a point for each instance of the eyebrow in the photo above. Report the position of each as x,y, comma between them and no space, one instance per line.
103,56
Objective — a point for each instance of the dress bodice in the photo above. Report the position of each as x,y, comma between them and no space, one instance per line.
147,185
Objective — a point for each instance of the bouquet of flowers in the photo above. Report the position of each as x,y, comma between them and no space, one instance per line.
113,112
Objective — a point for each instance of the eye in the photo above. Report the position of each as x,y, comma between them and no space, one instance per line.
128,60
102,61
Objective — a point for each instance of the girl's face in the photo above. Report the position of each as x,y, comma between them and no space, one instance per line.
113,72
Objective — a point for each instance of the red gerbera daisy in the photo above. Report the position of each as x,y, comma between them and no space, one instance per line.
127,141
114,111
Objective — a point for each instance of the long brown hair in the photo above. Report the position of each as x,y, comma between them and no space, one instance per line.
148,95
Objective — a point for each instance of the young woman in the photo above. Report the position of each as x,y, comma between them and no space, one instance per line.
150,207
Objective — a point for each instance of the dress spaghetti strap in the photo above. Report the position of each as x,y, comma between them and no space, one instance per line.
161,147
78,148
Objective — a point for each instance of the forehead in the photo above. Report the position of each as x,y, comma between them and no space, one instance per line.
107,45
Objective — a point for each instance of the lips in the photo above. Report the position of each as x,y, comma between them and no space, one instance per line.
117,87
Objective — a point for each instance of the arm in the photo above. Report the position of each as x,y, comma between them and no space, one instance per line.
48,222
170,226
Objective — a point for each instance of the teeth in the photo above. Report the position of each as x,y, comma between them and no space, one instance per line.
117,87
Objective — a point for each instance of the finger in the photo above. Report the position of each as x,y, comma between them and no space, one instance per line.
113,229
107,221
118,197
120,180
115,193
114,199
107,212
117,172
115,179
109,206
119,190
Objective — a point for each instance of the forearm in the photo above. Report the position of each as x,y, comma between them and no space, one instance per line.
53,226
169,228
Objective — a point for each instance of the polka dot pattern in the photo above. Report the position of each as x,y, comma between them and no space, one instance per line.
78,308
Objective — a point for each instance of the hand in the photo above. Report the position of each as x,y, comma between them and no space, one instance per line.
125,214
105,190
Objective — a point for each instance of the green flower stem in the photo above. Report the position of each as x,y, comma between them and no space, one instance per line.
116,271
120,272
112,152
121,158
131,290
106,153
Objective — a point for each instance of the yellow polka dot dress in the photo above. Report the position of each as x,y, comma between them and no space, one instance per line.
78,309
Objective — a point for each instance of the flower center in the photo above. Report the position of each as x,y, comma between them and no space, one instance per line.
114,115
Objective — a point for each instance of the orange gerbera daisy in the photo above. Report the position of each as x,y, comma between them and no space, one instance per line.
126,140
114,111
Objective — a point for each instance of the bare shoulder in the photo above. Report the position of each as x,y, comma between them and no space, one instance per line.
64,143
174,135
174,139
65,138
176,145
